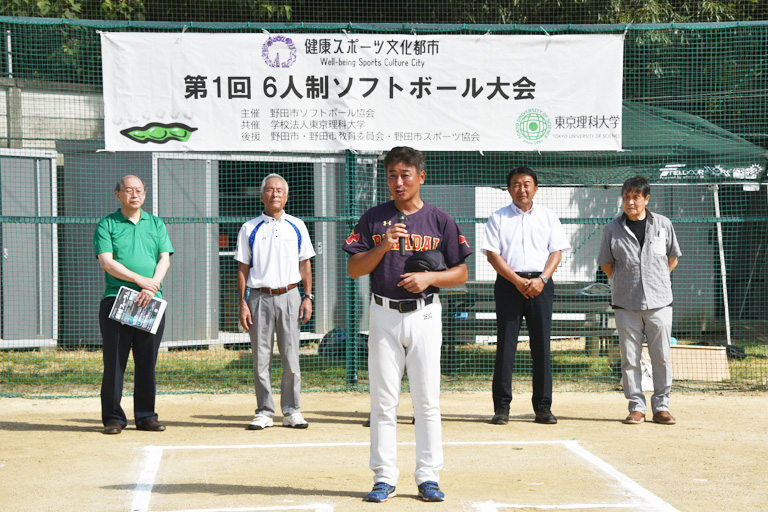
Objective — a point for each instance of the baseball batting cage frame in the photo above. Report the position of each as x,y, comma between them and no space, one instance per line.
695,123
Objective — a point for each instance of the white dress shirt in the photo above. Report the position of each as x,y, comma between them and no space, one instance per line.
276,250
524,239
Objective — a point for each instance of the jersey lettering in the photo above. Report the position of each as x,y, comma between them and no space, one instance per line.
427,245
416,243
429,229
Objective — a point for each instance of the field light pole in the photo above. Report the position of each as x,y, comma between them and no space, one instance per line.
715,189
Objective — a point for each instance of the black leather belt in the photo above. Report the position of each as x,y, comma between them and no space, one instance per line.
528,275
404,306
276,291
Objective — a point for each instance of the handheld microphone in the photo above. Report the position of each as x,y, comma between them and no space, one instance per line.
401,220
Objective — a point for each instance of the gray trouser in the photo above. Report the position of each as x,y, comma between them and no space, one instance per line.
275,314
656,324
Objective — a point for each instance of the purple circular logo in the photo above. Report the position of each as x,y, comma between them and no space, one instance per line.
279,52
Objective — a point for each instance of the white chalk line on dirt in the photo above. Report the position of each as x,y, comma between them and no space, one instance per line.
315,508
626,482
142,492
495,507
153,455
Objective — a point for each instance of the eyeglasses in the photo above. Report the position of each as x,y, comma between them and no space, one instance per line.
130,191
275,191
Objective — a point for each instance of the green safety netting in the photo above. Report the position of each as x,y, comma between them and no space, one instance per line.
695,113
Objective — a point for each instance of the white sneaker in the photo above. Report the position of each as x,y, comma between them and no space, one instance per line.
260,422
295,421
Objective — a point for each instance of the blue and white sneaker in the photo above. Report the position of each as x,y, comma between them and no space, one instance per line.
381,492
430,491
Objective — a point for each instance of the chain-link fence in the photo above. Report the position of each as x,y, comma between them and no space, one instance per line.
695,108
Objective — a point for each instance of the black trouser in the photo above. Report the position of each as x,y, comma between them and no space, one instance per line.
118,340
511,308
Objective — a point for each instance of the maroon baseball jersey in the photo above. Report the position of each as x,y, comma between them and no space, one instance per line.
428,228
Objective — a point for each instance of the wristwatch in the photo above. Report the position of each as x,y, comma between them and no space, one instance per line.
309,296
544,278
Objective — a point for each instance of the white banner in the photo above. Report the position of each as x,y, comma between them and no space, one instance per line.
365,92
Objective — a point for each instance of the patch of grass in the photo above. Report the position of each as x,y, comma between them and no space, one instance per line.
752,371
79,372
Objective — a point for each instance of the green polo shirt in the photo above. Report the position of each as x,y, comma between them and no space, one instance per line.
137,246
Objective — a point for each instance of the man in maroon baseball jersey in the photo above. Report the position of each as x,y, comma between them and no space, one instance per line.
405,323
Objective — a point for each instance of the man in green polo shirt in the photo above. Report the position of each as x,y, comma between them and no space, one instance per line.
134,250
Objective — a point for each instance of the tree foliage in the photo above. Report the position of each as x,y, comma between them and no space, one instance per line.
657,65
387,11
529,11
151,10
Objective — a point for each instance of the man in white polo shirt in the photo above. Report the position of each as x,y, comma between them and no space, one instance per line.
524,244
273,251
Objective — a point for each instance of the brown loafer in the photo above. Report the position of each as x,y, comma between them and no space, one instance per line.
634,418
151,426
113,427
664,418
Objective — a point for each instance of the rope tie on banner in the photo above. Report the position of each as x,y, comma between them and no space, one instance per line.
184,29
480,39
548,35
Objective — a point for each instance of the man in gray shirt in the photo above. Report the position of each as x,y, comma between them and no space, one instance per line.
638,252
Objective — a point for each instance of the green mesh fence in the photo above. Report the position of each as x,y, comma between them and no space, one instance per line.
695,123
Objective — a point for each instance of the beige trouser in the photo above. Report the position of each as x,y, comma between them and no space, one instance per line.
275,314
655,325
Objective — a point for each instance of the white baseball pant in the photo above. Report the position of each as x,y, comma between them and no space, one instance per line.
400,341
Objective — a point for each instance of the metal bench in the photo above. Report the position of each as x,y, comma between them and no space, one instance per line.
470,311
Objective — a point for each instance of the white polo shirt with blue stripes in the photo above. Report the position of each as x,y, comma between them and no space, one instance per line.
273,248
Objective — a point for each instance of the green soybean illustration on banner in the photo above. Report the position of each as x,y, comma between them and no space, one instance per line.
159,133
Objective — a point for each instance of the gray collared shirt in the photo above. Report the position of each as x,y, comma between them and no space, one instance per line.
640,277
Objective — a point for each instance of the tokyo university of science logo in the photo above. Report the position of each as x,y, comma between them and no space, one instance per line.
533,126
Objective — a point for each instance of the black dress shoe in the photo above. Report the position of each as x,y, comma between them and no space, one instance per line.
151,426
501,417
545,416
113,427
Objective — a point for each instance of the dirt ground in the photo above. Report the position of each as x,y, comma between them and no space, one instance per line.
54,457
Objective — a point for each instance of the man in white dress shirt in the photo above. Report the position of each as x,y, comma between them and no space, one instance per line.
524,244
273,251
